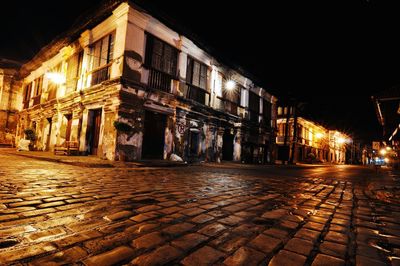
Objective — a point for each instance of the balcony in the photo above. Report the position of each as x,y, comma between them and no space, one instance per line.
159,80
196,94
100,75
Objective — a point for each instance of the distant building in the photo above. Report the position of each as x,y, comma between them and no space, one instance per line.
312,142
10,100
172,96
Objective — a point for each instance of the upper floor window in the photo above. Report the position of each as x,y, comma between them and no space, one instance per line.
267,110
74,68
196,73
38,86
102,51
101,56
161,56
27,94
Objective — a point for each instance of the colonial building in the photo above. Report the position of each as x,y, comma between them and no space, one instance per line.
10,100
172,96
310,142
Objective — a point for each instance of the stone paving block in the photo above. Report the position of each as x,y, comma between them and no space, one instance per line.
46,234
141,228
277,233
308,234
77,238
366,261
160,256
232,244
212,229
274,214
25,252
325,260
245,256
118,216
67,256
287,258
112,257
299,246
192,211
178,229
231,220
189,241
203,256
314,226
145,216
51,204
149,208
8,217
265,244
333,249
25,203
170,210
148,241
288,225
202,218
336,237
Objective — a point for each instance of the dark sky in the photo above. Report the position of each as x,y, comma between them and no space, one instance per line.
332,54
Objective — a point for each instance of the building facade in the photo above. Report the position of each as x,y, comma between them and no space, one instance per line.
310,142
10,100
125,65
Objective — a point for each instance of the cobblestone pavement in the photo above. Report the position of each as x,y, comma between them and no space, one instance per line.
54,214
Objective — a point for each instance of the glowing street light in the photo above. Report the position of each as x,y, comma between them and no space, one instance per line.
56,77
319,135
341,140
230,85
382,151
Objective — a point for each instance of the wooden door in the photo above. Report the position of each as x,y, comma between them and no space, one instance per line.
68,130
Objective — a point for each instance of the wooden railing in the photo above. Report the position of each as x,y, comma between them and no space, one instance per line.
100,75
159,80
197,94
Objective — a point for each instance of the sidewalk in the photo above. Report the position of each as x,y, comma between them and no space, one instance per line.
90,161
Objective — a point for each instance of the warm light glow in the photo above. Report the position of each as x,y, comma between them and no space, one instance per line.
319,135
341,140
386,160
230,85
388,148
382,151
55,77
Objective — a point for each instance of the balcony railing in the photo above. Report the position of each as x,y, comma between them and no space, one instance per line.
197,94
159,80
100,75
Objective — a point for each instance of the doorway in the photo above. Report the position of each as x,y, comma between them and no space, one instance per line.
68,129
48,139
227,145
154,135
93,131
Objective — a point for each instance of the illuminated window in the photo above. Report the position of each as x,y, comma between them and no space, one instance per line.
279,110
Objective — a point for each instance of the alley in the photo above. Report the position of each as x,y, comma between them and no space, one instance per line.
53,214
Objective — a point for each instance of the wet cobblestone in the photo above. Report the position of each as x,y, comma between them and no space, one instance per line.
54,214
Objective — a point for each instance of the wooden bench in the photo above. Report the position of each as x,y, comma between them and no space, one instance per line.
67,148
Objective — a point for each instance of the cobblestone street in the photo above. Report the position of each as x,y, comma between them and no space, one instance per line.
54,214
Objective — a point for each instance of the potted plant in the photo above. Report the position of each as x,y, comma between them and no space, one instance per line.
31,136
124,128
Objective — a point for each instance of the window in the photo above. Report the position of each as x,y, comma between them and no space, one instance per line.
254,106
38,86
196,79
74,67
27,94
267,109
102,51
196,73
101,56
279,110
161,56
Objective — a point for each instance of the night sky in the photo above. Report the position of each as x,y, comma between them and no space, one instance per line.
333,55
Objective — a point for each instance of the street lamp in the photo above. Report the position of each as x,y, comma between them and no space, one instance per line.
230,85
